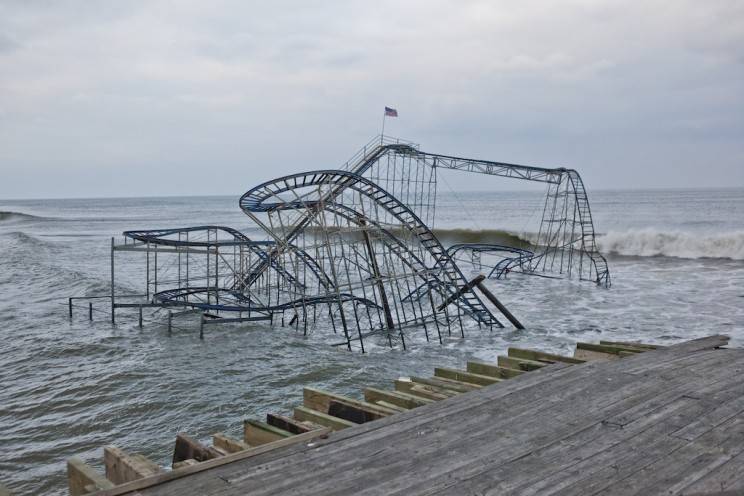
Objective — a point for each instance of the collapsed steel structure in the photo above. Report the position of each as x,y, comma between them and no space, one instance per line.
352,250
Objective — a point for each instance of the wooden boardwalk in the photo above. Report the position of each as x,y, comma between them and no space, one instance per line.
669,421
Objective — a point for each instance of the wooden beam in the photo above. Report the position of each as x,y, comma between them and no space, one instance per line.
184,463
83,479
540,356
343,406
392,406
461,375
492,370
257,433
595,356
228,444
623,354
519,363
164,477
610,349
188,448
423,390
452,385
632,344
402,400
289,424
305,414
122,467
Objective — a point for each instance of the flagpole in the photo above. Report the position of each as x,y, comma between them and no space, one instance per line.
382,135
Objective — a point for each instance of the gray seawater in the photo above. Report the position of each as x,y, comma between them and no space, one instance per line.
70,387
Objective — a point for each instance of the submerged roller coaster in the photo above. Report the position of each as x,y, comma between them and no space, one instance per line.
351,251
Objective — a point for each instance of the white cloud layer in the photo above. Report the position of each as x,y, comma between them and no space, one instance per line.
163,97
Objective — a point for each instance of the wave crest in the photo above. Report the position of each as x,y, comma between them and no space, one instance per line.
9,215
493,236
651,242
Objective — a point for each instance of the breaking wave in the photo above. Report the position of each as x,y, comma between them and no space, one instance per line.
492,236
650,242
10,216
647,242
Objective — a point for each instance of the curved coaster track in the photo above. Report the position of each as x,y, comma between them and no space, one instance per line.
352,252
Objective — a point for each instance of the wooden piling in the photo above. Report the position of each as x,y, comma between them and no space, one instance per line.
122,467
186,448
256,433
303,413
228,444
83,479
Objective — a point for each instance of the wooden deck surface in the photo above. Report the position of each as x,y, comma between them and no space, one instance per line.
669,421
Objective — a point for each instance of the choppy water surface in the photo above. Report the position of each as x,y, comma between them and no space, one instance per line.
70,387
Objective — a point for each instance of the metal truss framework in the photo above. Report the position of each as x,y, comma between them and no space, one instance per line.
352,251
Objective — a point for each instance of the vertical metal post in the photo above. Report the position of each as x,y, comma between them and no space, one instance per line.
147,271
389,322
155,284
170,321
113,304
140,316
69,306
209,295
90,310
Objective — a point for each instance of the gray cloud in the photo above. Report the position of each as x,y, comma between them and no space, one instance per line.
159,95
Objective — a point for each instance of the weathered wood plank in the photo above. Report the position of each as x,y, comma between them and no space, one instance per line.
595,356
423,390
256,433
335,404
308,414
724,480
122,467
609,349
184,463
686,465
289,424
694,345
403,400
229,444
392,406
540,356
463,376
492,370
727,407
519,363
449,384
632,344
83,479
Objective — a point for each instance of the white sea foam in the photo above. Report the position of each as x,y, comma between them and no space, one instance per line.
651,242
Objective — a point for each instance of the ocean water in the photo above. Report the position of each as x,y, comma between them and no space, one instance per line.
71,386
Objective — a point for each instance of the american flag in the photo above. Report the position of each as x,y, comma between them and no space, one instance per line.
391,112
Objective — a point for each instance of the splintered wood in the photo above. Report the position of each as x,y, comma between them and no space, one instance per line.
532,423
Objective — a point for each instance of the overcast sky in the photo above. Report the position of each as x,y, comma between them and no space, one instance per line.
128,98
